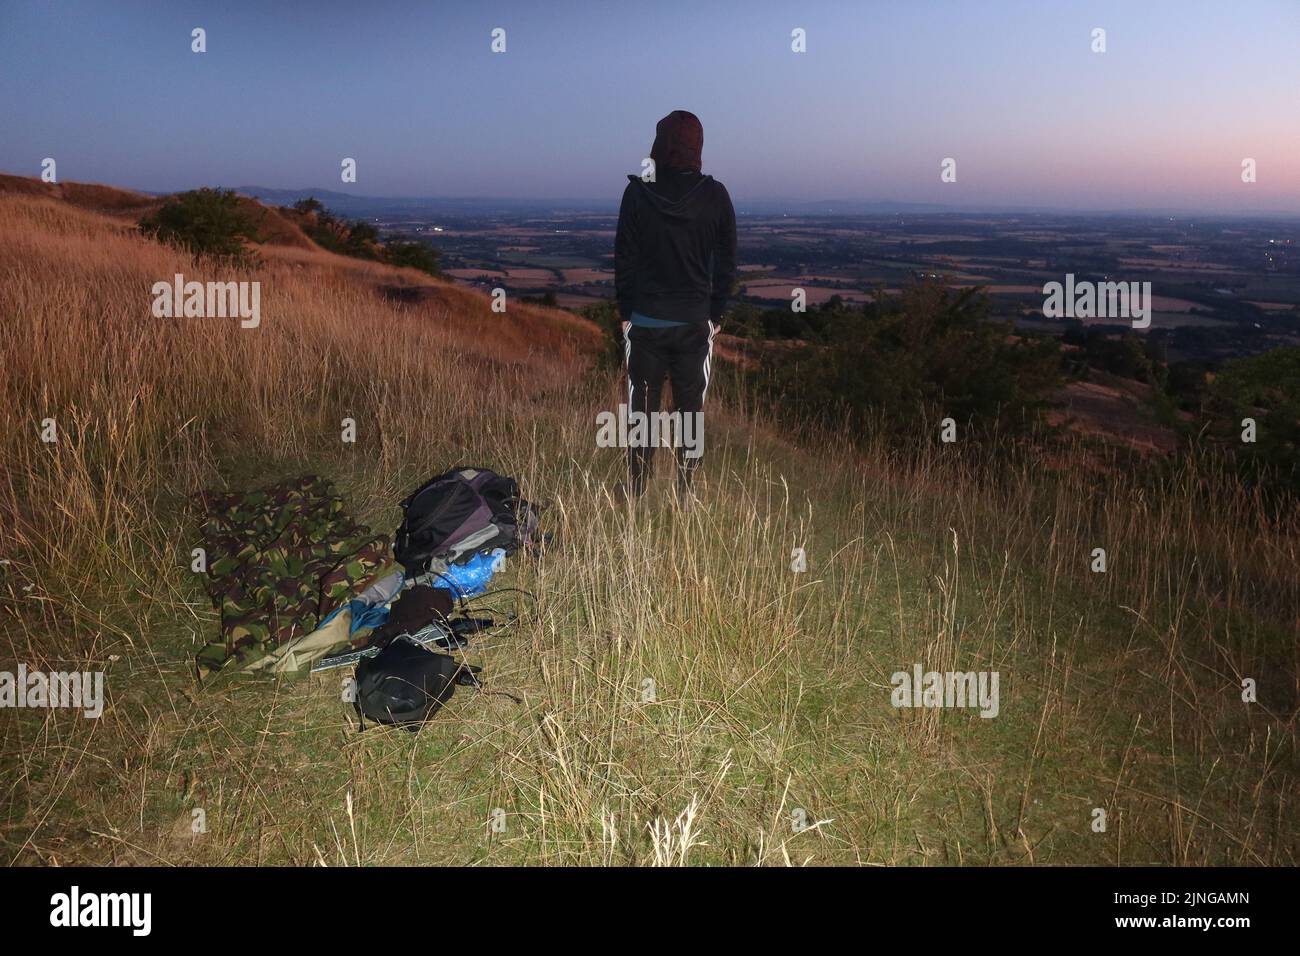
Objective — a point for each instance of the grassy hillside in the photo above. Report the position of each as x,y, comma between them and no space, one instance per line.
1119,691
107,199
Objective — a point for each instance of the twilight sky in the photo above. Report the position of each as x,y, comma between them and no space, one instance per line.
886,90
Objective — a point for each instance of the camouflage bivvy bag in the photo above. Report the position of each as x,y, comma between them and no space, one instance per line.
279,561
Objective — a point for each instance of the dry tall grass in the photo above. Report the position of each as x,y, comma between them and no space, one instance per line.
687,698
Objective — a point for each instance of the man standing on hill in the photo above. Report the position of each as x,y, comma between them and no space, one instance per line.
674,265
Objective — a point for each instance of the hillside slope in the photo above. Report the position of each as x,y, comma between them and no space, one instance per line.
273,227
684,696
106,199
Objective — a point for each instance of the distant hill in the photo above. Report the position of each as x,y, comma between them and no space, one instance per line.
348,204
287,197
363,206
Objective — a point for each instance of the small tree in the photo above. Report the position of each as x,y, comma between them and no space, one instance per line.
414,255
360,240
204,221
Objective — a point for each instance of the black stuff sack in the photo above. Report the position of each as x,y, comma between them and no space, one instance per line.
406,683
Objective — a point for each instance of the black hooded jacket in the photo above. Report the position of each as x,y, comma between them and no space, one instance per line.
675,252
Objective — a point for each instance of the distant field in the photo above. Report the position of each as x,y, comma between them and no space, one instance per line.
583,276
1273,289
572,300
550,262
1171,320
475,273
1145,262
780,289
857,257
1016,289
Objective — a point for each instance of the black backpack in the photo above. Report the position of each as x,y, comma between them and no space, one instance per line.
455,516
406,683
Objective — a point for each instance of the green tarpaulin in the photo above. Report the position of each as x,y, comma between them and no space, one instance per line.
279,561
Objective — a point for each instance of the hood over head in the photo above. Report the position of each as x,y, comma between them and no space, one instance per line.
679,142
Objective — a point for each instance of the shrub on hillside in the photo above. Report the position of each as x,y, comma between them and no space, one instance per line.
547,298
1265,388
359,239
903,361
748,321
1125,354
605,316
414,255
210,222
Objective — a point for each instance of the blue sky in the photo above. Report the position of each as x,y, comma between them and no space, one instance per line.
1009,88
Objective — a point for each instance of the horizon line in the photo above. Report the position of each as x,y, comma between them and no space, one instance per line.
923,207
